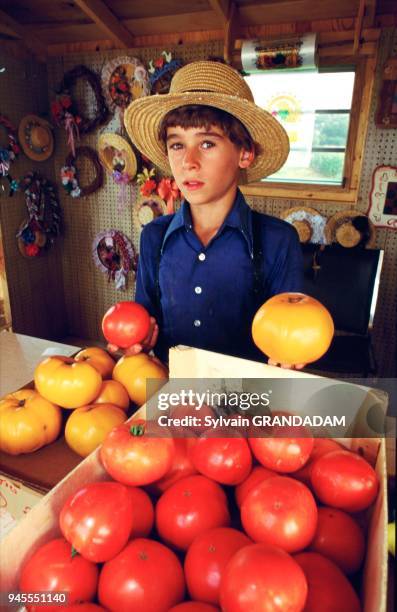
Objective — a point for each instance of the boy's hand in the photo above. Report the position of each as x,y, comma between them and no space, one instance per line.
286,366
145,346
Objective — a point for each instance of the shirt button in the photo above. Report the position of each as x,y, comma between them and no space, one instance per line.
197,323
201,256
198,290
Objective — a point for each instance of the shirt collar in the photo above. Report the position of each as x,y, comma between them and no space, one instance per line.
239,217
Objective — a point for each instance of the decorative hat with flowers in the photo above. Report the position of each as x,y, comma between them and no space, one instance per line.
9,154
161,72
157,196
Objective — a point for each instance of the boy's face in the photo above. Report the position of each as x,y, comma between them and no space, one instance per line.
205,163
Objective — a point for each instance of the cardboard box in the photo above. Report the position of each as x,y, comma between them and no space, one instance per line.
41,523
15,501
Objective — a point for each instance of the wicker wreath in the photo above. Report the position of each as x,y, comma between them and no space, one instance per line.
69,174
86,124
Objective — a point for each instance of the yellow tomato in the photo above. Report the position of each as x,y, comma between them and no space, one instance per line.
99,359
87,427
27,422
67,382
293,328
113,392
133,371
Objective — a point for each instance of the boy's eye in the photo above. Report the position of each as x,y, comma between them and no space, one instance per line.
207,144
175,146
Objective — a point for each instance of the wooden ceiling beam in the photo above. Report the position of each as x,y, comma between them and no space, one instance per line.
222,8
28,39
106,20
359,26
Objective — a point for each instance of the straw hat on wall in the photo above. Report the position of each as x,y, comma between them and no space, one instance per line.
36,138
349,228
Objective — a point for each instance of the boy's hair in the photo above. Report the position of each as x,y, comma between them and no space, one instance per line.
206,116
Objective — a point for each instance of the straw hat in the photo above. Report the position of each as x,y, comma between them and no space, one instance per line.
149,208
116,154
349,228
210,84
308,222
35,137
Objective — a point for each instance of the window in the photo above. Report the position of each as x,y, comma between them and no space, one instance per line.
325,162
314,109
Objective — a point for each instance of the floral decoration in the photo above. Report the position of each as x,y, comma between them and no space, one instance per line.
166,188
42,225
69,181
114,255
161,71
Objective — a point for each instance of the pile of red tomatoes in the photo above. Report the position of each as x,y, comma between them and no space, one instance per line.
207,523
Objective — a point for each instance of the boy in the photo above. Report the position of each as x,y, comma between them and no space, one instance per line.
204,271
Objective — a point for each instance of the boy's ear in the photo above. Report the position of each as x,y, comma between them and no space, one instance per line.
246,158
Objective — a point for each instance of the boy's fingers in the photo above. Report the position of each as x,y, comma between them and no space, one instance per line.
135,349
112,348
286,366
155,335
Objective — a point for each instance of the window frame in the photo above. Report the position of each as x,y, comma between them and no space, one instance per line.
360,109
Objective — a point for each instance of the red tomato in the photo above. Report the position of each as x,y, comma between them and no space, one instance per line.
125,324
321,446
142,513
181,467
226,460
282,512
261,578
194,606
178,412
344,480
339,538
257,475
132,454
207,558
188,508
97,520
52,568
329,589
278,452
146,575
81,607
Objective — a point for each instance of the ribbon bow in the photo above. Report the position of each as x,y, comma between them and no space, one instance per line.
122,179
72,130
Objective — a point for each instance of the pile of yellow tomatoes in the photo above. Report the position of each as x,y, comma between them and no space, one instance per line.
92,385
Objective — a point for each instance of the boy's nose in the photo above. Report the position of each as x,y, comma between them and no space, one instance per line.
190,159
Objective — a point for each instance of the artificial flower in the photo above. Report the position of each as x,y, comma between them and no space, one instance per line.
32,250
148,187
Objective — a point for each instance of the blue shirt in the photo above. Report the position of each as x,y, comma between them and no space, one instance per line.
206,292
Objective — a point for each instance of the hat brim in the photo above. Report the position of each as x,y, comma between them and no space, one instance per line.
120,144
143,118
25,147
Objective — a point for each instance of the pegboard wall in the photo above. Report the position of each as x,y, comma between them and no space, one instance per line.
88,294
35,286
87,291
